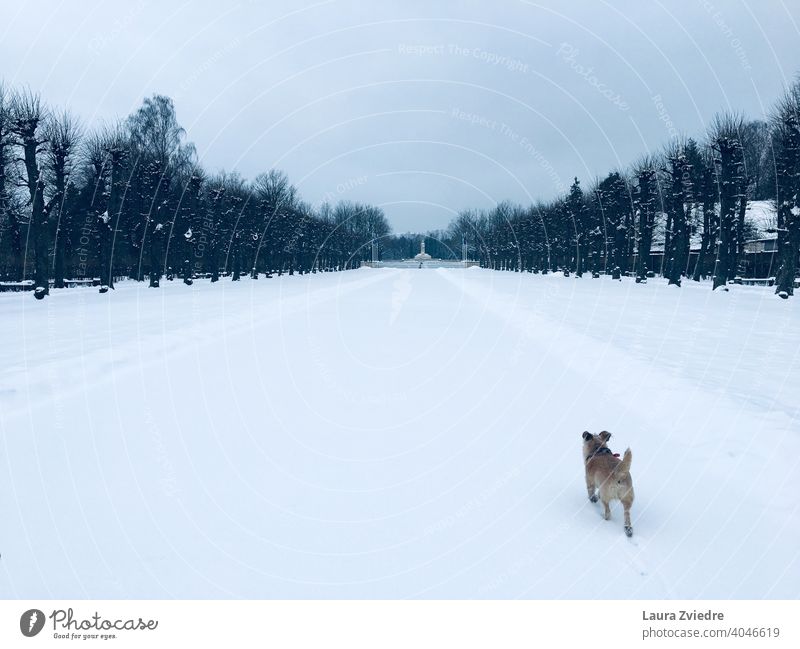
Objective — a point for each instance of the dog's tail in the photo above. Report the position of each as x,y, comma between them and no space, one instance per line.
624,467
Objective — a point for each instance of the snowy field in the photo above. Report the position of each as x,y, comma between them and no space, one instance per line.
397,434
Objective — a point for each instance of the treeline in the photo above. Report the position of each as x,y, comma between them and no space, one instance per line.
131,200
438,244
691,189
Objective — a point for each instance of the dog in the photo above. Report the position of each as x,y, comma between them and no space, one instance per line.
608,475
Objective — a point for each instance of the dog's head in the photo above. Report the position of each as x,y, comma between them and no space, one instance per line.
593,442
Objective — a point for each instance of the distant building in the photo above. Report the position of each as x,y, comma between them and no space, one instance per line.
760,253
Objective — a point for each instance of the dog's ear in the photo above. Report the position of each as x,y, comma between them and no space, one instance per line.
605,436
587,435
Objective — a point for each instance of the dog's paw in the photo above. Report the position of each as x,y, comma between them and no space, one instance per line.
628,531
593,498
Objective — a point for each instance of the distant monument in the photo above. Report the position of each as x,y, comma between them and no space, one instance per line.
421,260
422,255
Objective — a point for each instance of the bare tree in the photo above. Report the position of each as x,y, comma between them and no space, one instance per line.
725,141
160,154
62,133
786,123
705,193
613,202
116,145
644,202
188,224
676,240
275,197
28,117
758,160
9,220
94,166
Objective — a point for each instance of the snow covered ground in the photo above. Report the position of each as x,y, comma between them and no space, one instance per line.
397,433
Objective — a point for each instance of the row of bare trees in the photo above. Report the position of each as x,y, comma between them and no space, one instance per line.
650,219
131,200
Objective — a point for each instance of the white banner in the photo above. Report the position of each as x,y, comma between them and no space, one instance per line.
405,624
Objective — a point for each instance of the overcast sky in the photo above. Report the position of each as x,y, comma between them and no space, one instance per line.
423,108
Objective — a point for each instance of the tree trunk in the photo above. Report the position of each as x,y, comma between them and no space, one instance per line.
742,210
187,272
156,257
104,248
37,227
114,214
213,259
666,260
722,266
788,251
59,261
644,204
677,249
237,266
705,241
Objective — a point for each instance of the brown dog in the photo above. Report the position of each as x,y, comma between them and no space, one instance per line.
606,473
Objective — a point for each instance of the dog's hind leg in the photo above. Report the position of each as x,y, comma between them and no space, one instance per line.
607,510
590,489
626,503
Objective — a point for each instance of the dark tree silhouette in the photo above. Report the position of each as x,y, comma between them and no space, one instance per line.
645,198
726,143
28,116
787,148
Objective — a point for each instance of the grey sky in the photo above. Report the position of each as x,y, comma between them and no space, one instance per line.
423,108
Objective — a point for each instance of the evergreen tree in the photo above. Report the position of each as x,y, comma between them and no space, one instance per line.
726,143
705,193
645,208
614,205
576,214
678,170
